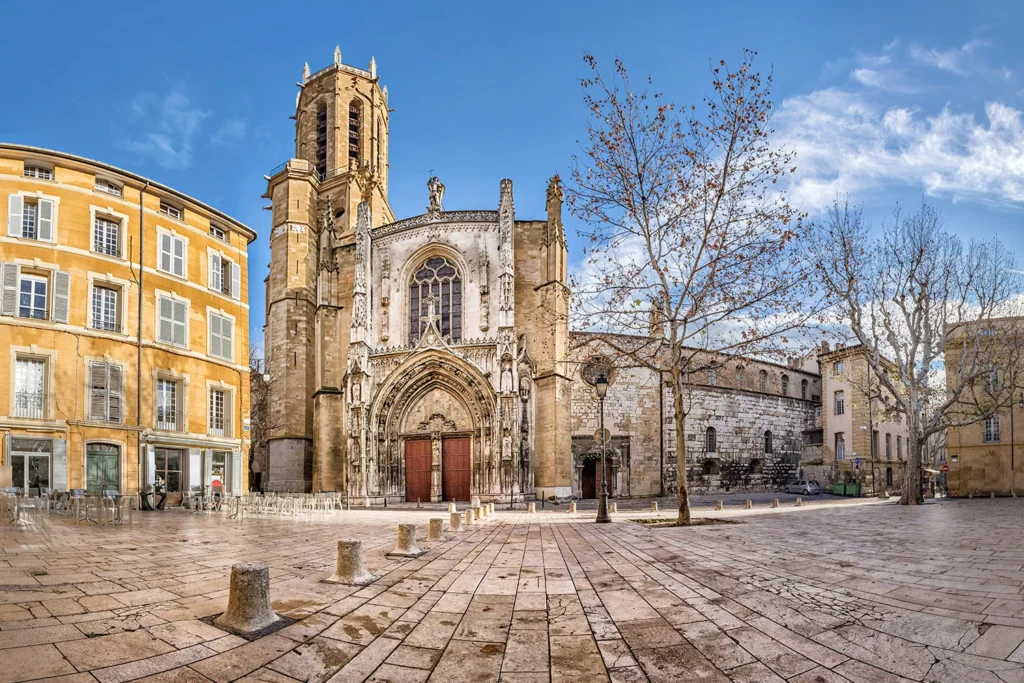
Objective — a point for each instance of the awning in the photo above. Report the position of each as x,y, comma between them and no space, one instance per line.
926,469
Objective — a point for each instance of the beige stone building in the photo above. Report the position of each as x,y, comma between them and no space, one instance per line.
420,359
125,318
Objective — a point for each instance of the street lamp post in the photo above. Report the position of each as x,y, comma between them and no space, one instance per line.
1013,486
601,385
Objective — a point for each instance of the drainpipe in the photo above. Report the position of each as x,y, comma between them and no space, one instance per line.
138,369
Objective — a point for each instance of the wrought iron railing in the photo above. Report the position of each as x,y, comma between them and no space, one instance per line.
30,404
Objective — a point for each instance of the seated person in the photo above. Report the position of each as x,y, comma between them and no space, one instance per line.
160,489
217,493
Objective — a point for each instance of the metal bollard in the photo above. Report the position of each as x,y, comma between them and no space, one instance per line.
456,521
248,599
434,530
406,546
349,567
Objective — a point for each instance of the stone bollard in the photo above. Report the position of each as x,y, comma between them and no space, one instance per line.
490,508
456,521
248,600
478,513
469,517
475,502
349,567
435,529
654,506
749,505
799,503
775,502
406,546
970,494
572,506
718,505
991,494
451,508
613,507
531,508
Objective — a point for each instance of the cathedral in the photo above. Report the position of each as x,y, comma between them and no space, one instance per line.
420,359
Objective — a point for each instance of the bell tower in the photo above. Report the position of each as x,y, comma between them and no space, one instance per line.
341,160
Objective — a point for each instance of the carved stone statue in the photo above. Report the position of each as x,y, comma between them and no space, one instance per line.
435,189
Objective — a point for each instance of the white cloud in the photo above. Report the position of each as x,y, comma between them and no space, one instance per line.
230,132
957,60
844,143
168,125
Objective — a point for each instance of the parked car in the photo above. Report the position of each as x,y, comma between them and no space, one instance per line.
808,487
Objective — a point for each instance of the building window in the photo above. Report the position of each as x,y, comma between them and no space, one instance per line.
105,392
168,405
225,275
170,210
40,172
785,385
222,337
102,468
874,444
710,440
106,309
173,316
167,468
840,446
992,379
30,463
839,403
106,237
220,413
355,110
172,254
838,368
762,382
768,442
30,217
899,447
32,296
803,389
888,446
992,429
30,388
108,186
440,280
219,232
321,140
713,377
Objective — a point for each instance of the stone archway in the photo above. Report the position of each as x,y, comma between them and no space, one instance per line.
438,396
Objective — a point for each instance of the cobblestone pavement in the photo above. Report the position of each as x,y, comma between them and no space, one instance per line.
819,594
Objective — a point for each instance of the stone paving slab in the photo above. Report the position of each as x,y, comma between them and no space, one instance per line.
854,591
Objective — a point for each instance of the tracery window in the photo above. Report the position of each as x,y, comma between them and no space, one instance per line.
440,279
321,140
355,114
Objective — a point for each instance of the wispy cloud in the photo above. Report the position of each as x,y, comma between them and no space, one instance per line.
230,132
166,127
957,60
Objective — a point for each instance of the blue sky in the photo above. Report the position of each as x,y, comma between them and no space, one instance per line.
886,100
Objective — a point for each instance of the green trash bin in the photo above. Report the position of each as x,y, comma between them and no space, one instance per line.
852,488
839,488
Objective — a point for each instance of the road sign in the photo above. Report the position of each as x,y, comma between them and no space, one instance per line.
944,468
856,461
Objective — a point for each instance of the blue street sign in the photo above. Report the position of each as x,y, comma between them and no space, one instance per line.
856,461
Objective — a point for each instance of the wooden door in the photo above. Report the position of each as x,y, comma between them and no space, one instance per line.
455,468
417,470
588,485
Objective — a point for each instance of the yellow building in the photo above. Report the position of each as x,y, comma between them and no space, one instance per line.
119,374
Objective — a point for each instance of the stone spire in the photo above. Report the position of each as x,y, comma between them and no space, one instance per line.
337,55
305,72
373,68
506,256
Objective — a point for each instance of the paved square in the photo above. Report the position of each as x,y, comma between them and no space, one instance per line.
823,593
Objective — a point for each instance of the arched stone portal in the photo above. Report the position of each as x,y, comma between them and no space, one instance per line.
438,398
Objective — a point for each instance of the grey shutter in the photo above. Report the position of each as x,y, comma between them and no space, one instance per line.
179,257
150,473
9,305
195,467
15,207
46,231
114,393
166,331
215,277
165,253
227,340
61,296
180,315
215,347
236,473
98,391
60,465
208,467
236,281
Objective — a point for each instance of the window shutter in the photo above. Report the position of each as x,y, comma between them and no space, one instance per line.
98,391
165,253
236,281
215,347
180,313
208,467
195,468
216,274
166,332
9,304
61,296
15,206
114,393
60,465
150,467
228,412
179,257
236,473
46,219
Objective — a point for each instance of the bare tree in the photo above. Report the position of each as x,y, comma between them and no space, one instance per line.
931,314
686,224
259,410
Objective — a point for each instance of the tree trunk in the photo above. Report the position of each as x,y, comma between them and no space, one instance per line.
682,487
912,476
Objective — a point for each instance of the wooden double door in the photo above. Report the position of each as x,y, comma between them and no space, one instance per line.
590,482
455,468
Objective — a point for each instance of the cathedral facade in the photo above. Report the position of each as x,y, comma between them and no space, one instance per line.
416,359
